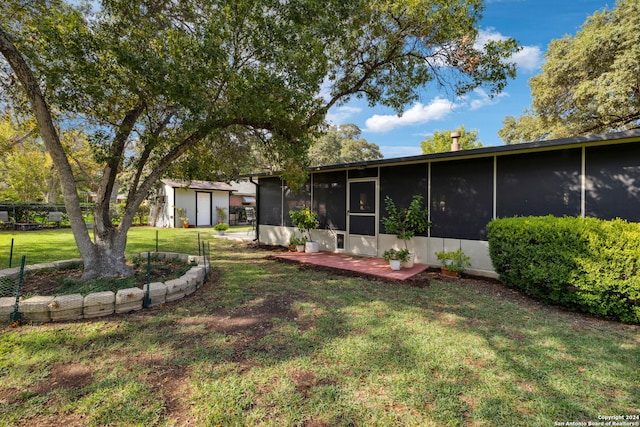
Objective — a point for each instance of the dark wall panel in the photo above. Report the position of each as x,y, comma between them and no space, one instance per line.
270,206
546,183
461,198
295,200
330,199
613,182
401,183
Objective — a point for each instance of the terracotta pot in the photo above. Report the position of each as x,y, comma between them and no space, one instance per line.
449,273
185,224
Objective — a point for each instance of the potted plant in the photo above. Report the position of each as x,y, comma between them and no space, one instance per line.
405,223
182,216
453,262
221,227
396,257
221,213
297,243
306,220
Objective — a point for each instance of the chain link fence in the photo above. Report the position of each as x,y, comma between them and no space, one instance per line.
11,290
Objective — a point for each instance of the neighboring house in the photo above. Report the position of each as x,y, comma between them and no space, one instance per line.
593,176
244,194
199,199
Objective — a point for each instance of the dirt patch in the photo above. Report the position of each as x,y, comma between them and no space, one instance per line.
68,376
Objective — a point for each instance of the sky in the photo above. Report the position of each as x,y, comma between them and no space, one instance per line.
533,23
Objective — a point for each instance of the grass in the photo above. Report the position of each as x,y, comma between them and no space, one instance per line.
55,244
276,344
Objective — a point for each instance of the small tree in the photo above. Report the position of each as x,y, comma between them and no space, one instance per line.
221,213
305,220
405,223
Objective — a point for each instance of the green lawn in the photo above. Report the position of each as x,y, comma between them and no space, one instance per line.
277,344
57,244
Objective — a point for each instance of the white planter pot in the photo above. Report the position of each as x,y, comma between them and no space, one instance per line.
300,248
312,246
409,263
395,264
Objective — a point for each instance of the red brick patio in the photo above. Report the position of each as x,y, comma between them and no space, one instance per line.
369,266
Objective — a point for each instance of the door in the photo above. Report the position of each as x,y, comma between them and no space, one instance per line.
362,218
203,209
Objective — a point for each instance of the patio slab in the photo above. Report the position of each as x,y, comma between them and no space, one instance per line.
369,266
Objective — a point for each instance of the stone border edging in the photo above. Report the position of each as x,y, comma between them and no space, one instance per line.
97,304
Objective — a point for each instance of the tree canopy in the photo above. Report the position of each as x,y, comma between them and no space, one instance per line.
342,144
159,83
440,142
590,82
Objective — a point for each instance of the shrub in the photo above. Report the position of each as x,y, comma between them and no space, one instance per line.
305,220
584,263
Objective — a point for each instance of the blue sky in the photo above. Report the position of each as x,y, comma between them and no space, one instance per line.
533,23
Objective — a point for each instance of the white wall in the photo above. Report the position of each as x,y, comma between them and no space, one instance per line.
220,199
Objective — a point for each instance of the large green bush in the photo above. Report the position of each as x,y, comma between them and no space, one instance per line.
585,263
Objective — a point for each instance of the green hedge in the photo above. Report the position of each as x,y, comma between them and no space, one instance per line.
584,263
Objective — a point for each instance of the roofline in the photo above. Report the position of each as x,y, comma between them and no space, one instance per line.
590,140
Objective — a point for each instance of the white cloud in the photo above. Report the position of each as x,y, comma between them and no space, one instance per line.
528,59
419,113
482,99
339,115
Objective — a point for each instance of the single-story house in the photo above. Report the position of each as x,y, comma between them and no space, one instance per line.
243,199
197,200
594,176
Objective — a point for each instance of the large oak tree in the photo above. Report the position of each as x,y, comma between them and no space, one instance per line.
157,81
590,82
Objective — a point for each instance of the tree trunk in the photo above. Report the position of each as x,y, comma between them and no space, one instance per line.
106,257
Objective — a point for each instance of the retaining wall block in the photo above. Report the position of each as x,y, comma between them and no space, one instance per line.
36,308
192,283
67,263
199,272
129,299
66,307
36,267
157,293
195,259
175,289
6,308
171,255
99,304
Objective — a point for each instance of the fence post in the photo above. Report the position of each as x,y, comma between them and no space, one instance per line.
199,253
146,302
11,254
156,240
16,315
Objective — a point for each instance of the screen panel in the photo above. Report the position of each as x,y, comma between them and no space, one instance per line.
613,182
461,202
362,197
270,206
362,225
544,183
295,200
363,173
401,183
330,199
